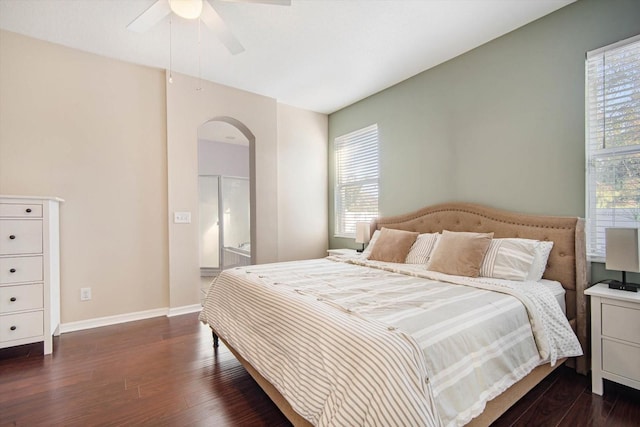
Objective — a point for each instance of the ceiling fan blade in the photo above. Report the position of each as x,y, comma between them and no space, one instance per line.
273,2
150,17
214,21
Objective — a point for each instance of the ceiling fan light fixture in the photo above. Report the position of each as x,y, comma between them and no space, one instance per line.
188,9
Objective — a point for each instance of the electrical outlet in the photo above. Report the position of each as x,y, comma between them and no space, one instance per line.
85,294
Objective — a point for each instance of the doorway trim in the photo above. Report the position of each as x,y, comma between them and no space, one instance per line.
252,174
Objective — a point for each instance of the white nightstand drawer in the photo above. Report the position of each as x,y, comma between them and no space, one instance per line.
621,359
21,269
16,210
21,297
18,326
20,236
622,323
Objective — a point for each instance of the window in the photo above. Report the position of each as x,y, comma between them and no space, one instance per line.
612,140
356,183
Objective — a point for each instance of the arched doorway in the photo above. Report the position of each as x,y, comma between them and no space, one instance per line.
226,183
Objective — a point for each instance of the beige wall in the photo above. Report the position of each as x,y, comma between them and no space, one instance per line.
119,144
92,131
290,176
302,184
187,109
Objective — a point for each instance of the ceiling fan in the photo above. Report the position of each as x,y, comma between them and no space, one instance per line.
195,9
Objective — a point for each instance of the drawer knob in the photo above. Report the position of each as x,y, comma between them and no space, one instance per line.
12,237
13,299
28,210
13,328
13,270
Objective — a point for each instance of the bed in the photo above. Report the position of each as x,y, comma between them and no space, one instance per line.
406,388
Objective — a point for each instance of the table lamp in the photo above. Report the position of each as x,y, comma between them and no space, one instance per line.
623,254
363,234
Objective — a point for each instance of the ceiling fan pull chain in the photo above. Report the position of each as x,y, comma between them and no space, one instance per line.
170,52
199,88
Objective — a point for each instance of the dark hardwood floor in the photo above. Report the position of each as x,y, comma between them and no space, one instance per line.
163,371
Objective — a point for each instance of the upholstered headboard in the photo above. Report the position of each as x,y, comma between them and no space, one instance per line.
567,261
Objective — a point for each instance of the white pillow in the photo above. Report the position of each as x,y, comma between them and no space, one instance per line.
509,259
369,248
543,249
422,248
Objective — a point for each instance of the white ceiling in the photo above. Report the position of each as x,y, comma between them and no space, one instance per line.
319,55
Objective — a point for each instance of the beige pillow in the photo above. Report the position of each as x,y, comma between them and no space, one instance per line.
393,245
460,253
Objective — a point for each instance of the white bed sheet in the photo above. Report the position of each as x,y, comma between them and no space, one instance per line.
558,292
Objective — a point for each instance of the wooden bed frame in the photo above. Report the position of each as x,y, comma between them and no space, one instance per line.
567,265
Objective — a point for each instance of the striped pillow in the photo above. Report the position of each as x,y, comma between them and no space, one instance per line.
509,259
422,248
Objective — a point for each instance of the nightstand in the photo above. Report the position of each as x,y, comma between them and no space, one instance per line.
615,337
351,252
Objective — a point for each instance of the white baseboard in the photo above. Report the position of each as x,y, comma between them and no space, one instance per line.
127,317
185,309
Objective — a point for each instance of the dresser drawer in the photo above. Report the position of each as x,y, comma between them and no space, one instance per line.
18,210
20,236
621,359
621,322
21,297
22,325
21,269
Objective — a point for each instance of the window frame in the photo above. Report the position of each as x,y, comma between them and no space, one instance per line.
341,228
595,244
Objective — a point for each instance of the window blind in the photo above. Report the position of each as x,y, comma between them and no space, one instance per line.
612,140
357,179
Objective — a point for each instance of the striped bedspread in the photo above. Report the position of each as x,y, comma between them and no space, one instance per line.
384,344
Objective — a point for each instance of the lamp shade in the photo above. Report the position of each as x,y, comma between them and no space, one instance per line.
623,249
188,9
363,232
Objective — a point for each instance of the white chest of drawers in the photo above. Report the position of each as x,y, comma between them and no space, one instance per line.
29,270
615,337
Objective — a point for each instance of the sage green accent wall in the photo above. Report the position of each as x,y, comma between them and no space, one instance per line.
501,125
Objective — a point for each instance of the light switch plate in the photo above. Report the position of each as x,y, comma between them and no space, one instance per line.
182,217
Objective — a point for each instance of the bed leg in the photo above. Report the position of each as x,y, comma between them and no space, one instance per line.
215,339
